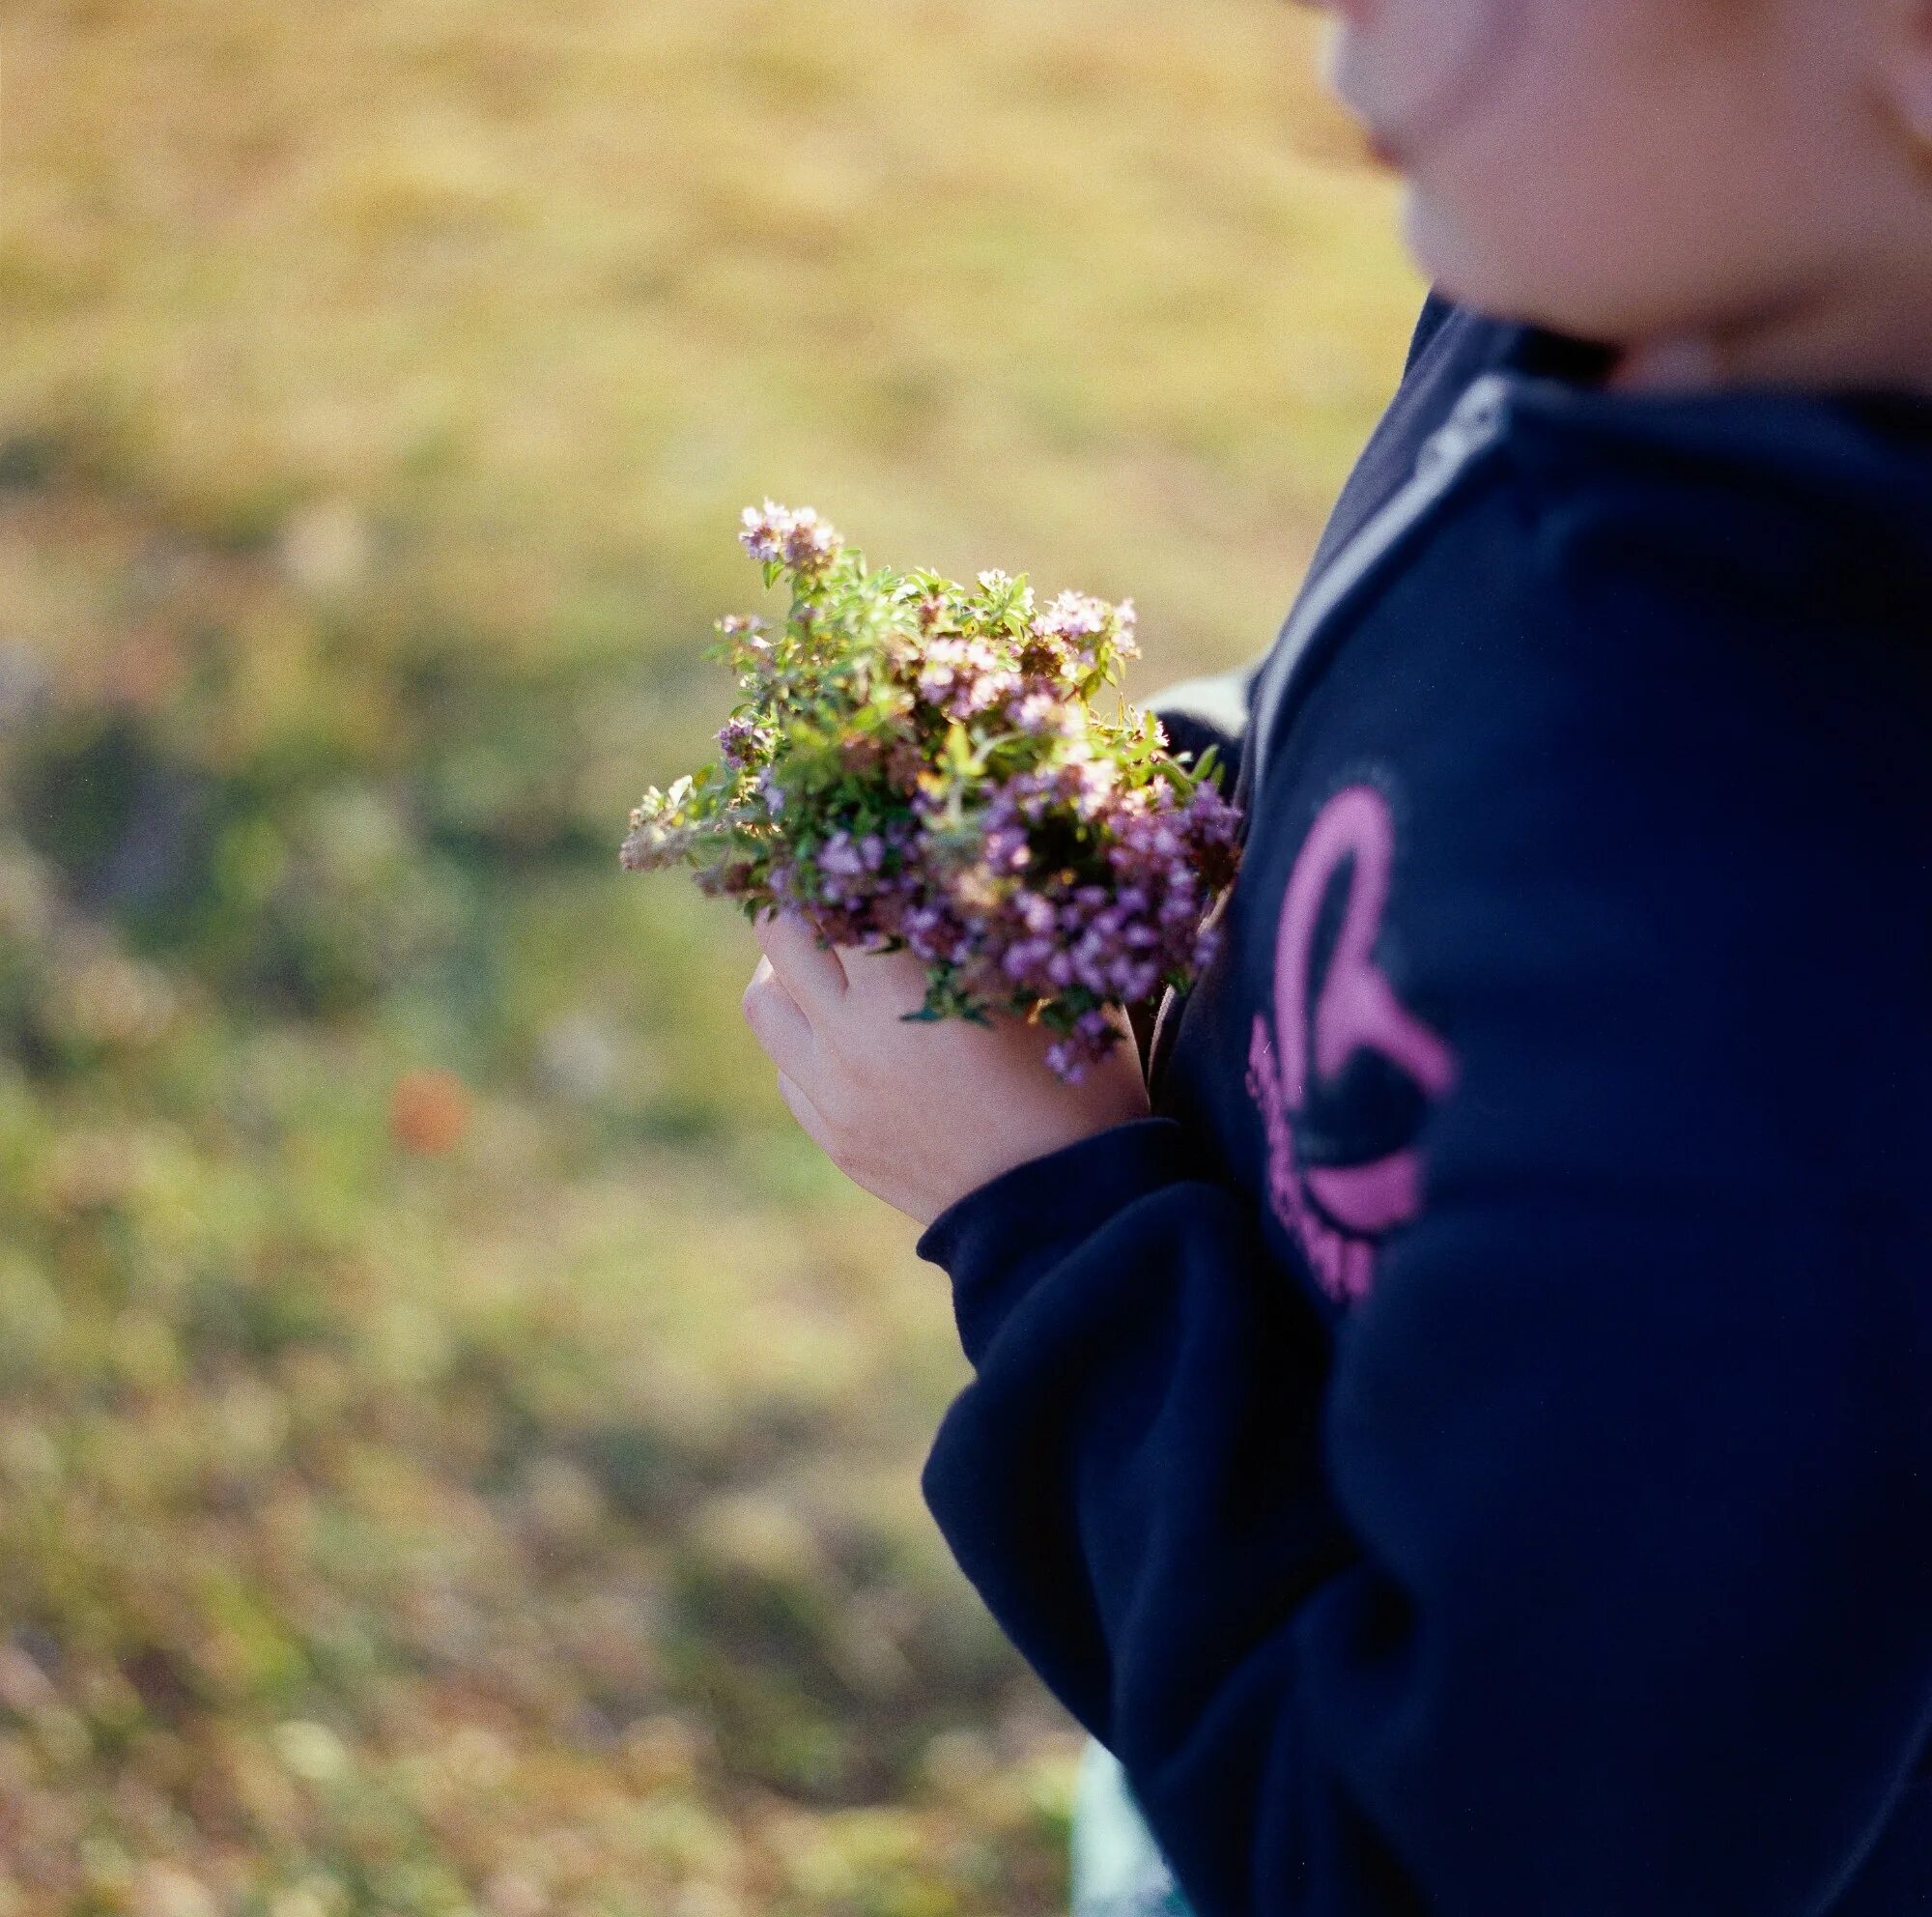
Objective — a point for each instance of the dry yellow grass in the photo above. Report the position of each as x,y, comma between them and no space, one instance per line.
1084,288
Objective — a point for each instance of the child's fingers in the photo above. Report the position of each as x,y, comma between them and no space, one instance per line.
881,981
781,1028
809,971
807,1113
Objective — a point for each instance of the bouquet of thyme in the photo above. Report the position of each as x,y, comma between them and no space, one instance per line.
918,764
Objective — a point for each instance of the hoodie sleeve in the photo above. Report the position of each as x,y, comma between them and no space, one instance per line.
1587,1568
1212,710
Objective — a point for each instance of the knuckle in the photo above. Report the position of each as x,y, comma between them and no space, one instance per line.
757,1010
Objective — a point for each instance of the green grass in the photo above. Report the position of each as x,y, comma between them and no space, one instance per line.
458,1442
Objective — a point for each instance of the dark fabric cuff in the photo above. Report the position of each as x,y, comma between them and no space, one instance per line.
1000,1238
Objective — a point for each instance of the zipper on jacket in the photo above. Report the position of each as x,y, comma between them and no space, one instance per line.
1475,423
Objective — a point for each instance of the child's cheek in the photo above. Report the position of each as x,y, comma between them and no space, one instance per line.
1613,170
1417,73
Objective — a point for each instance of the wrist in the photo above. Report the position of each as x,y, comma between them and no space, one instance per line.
996,1240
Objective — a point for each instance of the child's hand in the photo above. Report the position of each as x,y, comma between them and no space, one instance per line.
920,1114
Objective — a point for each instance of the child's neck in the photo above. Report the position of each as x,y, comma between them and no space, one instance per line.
1861,338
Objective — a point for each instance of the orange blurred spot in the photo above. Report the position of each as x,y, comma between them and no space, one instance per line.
429,1112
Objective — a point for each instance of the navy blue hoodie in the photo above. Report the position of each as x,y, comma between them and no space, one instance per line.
1469,1449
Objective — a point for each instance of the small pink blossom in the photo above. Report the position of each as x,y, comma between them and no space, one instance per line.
800,540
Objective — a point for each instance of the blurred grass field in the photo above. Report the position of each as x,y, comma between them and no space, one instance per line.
457,1442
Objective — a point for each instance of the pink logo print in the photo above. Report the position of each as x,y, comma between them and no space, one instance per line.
1337,1211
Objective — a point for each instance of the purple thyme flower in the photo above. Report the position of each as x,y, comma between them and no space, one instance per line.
799,539
810,545
741,739
842,854
1074,620
1039,713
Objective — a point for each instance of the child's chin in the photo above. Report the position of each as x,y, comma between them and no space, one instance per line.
1435,245
1461,271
